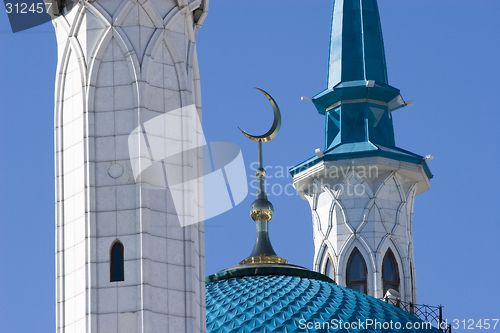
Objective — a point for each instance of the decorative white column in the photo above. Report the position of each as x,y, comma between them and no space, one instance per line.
364,203
123,63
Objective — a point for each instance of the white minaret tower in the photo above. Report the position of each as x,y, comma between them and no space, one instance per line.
361,188
124,263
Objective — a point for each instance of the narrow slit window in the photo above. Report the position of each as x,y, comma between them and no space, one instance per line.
116,264
356,272
390,272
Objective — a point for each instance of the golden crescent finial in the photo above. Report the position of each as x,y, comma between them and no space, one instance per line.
275,128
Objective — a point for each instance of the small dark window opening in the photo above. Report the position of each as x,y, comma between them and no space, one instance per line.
356,276
197,15
411,279
116,264
390,272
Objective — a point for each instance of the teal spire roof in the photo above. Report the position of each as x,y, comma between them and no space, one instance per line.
358,101
356,45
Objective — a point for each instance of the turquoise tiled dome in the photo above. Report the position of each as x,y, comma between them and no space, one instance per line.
279,303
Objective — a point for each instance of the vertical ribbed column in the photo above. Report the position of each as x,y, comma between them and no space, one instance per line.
122,65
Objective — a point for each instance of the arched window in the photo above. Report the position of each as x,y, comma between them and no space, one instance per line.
329,270
356,272
390,272
116,263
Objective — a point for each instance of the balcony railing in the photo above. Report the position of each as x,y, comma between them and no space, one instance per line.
427,313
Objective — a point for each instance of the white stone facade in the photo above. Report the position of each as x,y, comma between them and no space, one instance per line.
120,64
366,203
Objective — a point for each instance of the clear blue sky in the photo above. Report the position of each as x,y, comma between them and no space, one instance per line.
442,54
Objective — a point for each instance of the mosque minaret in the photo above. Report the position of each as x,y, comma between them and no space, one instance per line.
124,263
361,187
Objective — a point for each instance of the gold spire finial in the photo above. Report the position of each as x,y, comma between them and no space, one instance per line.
262,210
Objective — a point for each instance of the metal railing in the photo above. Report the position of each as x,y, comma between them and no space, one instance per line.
427,313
